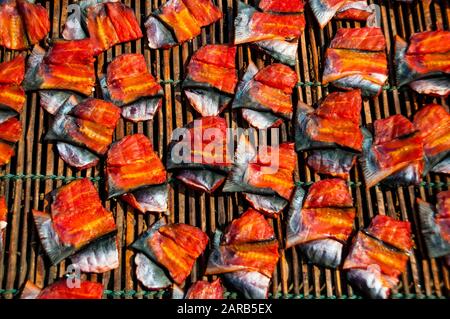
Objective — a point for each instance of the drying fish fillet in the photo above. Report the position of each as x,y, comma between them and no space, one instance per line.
395,155
129,84
424,62
135,171
178,21
83,130
263,173
211,79
322,223
433,122
76,220
67,65
373,265
174,247
22,24
265,95
201,158
331,132
346,59
246,254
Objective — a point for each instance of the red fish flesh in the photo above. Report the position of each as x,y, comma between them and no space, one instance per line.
435,225
173,246
62,289
322,223
395,156
211,79
267,92
281,6
68,65
22,24
346,60
12,96
246,251
11,130
372,265
433,122
183,18
205,290
132,164
76,219
394,232
423,64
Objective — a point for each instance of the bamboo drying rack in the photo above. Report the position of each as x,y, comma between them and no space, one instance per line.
37,169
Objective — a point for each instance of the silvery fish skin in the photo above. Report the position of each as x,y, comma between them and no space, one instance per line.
368,88
204,180
142,110
252,284
52,100
282,50
436,245
6,115
324,252
438,86
261,120
99,257
150,274
151,199
158,35
73,29
270,206
31,80
76,156
207,102
442,167
323,12
368,282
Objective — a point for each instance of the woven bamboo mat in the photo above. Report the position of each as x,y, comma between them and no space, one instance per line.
37,169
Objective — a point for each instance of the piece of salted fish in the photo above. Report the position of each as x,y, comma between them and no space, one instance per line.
252,284
261,120
150,274
98,257
158,35
52,100
268,205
